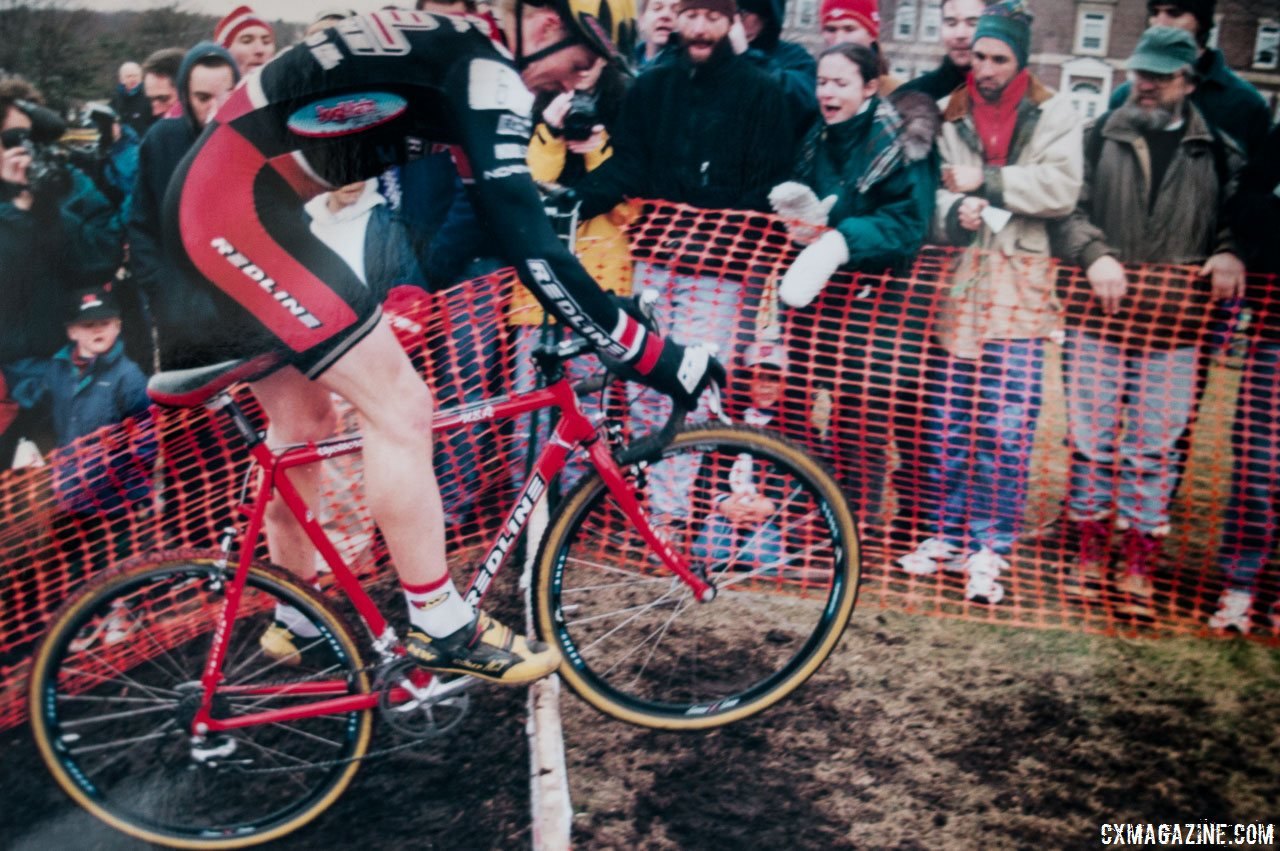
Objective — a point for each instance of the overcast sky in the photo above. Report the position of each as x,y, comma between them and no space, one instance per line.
301,11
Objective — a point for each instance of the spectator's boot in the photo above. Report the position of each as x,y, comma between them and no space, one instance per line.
1084,578
1134,587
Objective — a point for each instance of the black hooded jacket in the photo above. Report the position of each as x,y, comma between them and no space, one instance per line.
789,63
716,135
164,146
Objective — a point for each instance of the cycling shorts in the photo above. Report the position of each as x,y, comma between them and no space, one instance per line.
235,220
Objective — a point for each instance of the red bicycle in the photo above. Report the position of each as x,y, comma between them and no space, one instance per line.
696,577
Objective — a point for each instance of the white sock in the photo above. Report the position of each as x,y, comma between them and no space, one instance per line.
437,608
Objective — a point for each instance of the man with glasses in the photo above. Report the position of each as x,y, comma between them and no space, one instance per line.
1157,179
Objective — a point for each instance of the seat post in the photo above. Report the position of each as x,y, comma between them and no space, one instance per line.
239,419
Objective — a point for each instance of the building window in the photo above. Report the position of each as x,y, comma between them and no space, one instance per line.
1086,97
1266,51
931,21
904,22
1092,29
806,12
1087,83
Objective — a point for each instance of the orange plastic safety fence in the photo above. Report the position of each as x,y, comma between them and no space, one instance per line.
993,474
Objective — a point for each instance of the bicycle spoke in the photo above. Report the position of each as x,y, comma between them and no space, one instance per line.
117,716
638,643
121,679
655,638
146,737
115,729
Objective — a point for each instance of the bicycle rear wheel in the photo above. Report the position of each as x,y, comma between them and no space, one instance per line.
116,681
637,645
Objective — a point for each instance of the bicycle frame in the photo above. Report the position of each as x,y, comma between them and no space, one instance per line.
573,429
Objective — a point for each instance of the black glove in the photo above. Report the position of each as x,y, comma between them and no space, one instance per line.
684,373
681,373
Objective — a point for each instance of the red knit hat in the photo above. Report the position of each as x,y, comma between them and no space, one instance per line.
865,12
240,18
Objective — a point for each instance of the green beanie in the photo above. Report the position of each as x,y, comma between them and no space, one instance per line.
1010,22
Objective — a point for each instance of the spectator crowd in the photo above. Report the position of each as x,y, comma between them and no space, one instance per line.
861,169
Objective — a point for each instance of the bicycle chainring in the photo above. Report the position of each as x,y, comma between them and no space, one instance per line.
428,718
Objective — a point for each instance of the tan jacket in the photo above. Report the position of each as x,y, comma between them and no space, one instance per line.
1003,283
601,244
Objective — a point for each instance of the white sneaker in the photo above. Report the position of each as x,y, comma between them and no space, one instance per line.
114,628
923,561
983,568
1233,611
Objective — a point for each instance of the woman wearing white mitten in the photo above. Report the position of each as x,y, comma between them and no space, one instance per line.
861,201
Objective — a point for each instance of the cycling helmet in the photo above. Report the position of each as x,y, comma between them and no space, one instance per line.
607,27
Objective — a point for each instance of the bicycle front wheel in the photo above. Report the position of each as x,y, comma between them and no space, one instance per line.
116,682
755,515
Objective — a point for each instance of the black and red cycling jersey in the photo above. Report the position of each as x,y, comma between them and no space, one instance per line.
343,106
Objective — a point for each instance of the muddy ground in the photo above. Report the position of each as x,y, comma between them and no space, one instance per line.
918,733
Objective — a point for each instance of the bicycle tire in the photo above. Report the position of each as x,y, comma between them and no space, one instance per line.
698,671
121,664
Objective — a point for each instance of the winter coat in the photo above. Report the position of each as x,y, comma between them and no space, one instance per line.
879,165
113,471
939,82
1228,102
46,253
715,135
1186,224
790,64
1253,212
444,230
133,108
179,308
601,244
112,390
1003,288
370,238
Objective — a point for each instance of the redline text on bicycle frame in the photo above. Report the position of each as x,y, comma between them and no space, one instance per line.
515,525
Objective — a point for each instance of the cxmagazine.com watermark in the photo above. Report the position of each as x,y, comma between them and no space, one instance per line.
1254,834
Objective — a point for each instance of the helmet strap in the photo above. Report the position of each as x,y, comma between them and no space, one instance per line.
525,61
522,61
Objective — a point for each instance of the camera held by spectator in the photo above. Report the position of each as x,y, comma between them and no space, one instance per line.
582,118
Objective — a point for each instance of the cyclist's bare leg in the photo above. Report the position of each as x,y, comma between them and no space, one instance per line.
395,408
298,410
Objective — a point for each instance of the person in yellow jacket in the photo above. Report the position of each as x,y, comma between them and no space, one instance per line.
571,139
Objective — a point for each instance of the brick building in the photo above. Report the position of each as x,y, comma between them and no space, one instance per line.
1078,45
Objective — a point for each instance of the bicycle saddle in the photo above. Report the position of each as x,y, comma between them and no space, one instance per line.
186,388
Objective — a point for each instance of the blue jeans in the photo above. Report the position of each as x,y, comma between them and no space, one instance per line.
1151,394
756,547
988,411
691,309
1253,512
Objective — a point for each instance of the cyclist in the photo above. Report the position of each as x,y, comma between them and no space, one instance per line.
342,106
